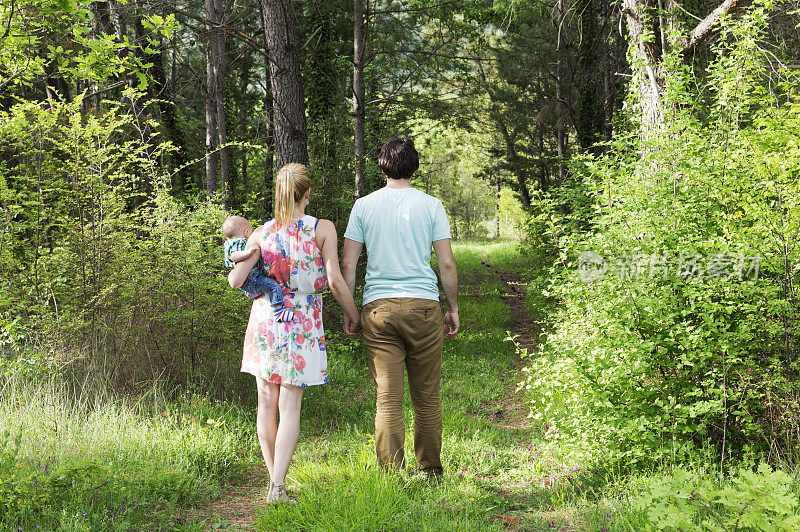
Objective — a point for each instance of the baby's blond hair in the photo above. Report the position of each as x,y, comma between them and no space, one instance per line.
235,227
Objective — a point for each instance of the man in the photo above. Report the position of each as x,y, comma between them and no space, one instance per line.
401,319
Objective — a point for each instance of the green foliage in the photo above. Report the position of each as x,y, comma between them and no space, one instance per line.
451,168
54,39
752,500
657,361
98,260
513,218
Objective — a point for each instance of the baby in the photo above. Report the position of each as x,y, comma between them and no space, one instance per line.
236,231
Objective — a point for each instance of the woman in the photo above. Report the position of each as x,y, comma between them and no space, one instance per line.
287,356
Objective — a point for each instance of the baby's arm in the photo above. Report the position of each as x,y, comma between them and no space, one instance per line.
241,270
239,256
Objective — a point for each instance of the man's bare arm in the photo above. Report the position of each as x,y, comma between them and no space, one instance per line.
350,253
449,275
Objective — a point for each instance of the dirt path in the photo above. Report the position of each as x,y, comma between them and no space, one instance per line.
512,413
237,508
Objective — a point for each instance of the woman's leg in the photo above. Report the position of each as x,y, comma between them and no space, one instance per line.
288,431
266,422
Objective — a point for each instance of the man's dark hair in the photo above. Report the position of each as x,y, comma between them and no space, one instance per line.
398,159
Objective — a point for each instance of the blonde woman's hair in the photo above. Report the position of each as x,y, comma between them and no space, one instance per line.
291,183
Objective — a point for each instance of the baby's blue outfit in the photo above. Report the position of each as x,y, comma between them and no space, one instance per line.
256,284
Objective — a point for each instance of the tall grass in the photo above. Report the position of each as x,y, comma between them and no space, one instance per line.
83,457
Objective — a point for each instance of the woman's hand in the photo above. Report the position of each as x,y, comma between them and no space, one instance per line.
238,275
352,328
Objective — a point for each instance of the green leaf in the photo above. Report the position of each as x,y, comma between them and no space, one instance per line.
69,6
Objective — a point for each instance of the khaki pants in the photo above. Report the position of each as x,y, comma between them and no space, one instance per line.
406,332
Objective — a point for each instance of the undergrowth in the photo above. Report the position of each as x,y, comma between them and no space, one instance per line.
84,458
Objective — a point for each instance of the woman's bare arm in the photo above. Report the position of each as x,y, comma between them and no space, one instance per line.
326,241
239,256
238,275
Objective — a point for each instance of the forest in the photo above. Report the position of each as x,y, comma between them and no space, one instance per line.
622,182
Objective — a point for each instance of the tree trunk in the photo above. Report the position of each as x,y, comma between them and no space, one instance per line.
520,173
359,112
55,86
648,78
211,121
544,182
216,137
562,114
221,70
608,96
159,89
280,33
103,25
650,46
269,113
322,91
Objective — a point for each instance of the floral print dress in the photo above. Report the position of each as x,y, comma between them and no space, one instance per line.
291,352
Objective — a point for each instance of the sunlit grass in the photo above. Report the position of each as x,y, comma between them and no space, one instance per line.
138,462
95,461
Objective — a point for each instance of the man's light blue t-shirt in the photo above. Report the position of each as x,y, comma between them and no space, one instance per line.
398,227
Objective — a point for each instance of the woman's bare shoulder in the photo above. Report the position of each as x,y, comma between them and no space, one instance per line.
256,235
325,225
325,230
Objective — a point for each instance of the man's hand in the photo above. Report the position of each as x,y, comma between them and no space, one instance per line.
451,323
352,329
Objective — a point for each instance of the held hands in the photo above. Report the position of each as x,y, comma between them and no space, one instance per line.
451,323
352,328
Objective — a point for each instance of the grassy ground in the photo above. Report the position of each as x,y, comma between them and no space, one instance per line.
495,475
79,461
71,460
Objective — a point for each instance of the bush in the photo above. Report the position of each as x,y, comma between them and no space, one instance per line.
98,261
752,500
658,359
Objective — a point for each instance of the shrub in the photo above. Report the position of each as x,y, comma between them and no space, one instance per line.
752,500
657,359
98,261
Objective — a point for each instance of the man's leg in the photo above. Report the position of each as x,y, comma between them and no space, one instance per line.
386,353
422,325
